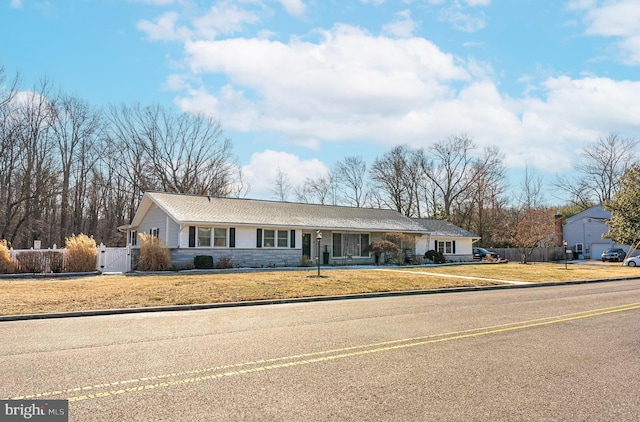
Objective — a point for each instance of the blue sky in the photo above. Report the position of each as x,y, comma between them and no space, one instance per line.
299,84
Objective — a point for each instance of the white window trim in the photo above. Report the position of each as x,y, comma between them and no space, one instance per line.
275,238
445,244
212,239
342,243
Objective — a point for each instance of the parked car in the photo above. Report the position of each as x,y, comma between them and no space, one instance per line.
633,261
482,253
613,254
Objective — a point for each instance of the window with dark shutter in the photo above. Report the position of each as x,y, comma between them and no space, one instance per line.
292,241
259,239
454,246
192,236
232,237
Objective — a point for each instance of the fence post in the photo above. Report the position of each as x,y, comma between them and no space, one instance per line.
102,249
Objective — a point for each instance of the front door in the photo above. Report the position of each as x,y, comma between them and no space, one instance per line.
306,245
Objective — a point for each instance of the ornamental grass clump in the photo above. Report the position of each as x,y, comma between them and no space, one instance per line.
82,254
7,266
154,254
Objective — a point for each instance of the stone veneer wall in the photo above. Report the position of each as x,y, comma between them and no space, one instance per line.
243,258
249,258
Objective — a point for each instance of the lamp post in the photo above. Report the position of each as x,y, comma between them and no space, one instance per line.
564,246
318,238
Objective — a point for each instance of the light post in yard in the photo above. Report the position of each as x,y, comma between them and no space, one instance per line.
564,246
318,238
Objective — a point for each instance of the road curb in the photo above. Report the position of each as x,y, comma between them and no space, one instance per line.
123,311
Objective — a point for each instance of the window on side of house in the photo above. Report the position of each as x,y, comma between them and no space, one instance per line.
154,232
350,245
219,237
204,237
134,238
269,238
445,246
283,238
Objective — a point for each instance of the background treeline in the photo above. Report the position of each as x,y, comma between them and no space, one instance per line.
67,167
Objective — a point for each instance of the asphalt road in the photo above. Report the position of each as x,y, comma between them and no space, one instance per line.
554,353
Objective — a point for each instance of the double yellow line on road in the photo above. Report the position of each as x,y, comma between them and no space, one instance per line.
218,372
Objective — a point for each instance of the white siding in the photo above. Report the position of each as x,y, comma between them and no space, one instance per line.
246,237
168,228
464,245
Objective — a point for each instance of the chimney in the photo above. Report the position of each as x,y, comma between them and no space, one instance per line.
559,234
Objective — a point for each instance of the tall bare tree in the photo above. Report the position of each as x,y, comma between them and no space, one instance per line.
32,184
350,175
530,223
453,170
281,186
76,128
481,208
317,191
601,166
396,175
180,153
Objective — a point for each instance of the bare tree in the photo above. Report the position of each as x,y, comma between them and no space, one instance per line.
396,176
351,175
281,186
531,190
454,169
530,224
481,208
76,127
31,177
171,152
316,191
602,164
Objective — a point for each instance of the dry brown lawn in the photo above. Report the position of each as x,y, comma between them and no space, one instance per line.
32,296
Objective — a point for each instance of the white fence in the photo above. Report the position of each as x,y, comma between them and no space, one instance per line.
113,260
109,260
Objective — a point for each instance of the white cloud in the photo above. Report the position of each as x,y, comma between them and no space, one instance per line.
223,18
402,26
262,171
338,89
352,86
294,7
163,28
15,4
617,19
462,21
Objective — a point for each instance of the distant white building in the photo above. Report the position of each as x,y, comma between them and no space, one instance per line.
584,233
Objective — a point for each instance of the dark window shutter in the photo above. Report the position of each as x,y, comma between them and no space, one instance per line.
192,236
292,241
232,237
454,246
259,239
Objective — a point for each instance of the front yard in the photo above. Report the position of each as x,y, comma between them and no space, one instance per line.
18,297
